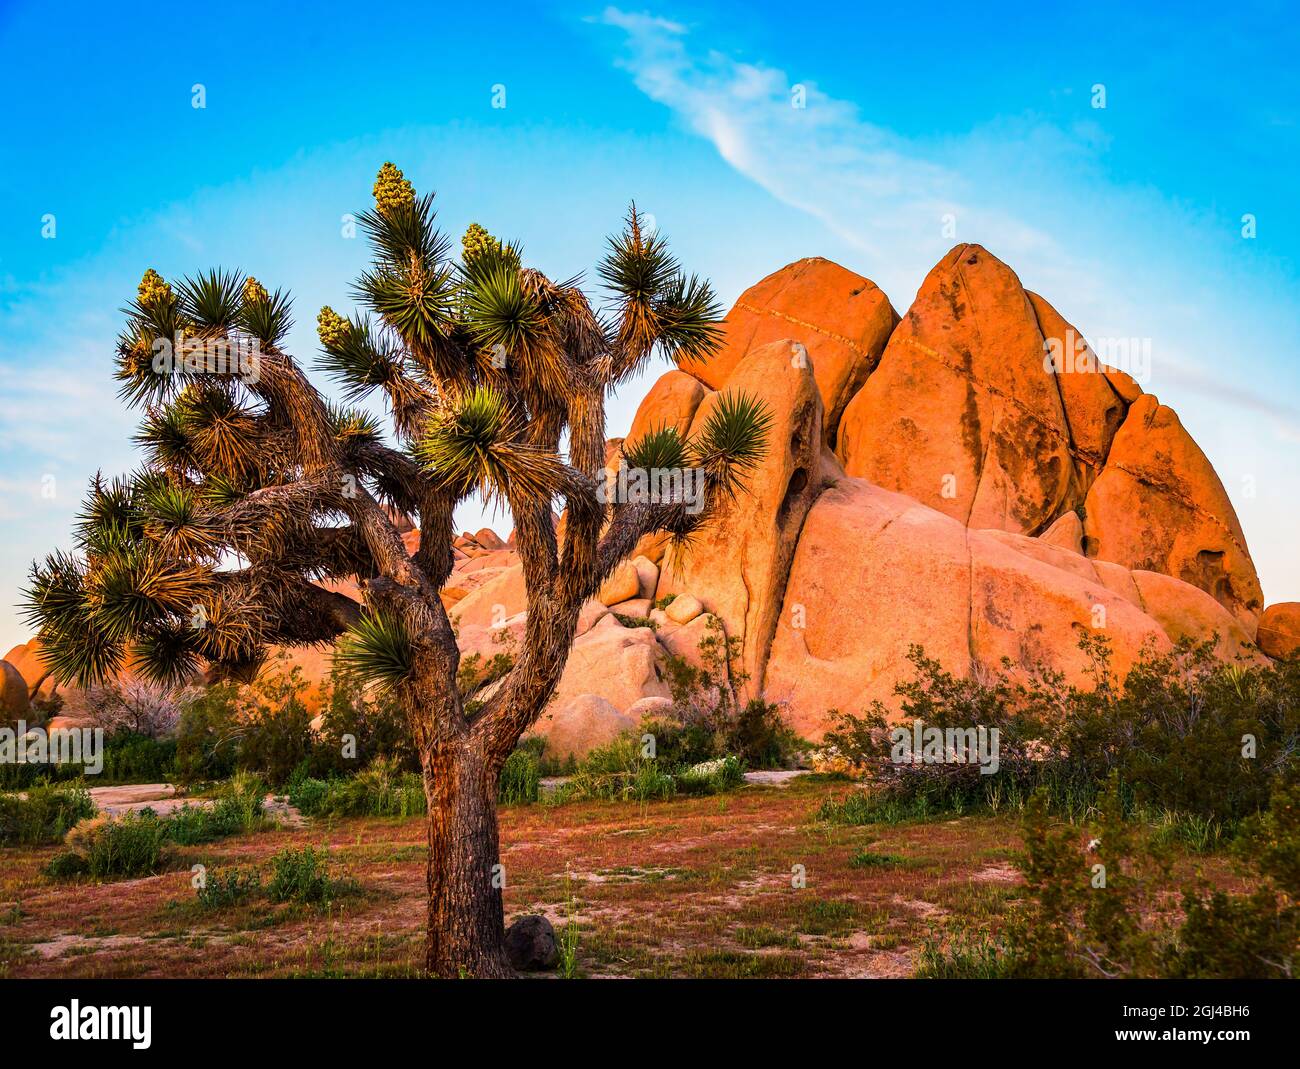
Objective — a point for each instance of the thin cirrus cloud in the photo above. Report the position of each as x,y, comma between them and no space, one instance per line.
901,205
1120,260
821,158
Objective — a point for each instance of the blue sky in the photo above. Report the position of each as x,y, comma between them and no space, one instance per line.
1128,218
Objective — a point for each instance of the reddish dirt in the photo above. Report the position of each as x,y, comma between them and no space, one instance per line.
702,887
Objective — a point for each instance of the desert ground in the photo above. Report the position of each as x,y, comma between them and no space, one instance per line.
691,887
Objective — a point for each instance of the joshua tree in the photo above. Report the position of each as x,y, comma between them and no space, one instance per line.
254,486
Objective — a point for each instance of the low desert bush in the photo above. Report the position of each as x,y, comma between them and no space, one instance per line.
1195,745
718,776
133,758
208,734
139,844
275,735
232,887
869,859
617,771
266,727
133,844
44,814
706,721
1097,903
520,776
621,771
358,725
380,790
864,807
126,758
302,875
237,810
132,706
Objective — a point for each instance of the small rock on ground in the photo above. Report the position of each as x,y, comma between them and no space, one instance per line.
775,777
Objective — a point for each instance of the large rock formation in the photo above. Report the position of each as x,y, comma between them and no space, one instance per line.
841,320
14,704
970,479
989,407
961,414
1003,492
1159,505
737,568
1279,629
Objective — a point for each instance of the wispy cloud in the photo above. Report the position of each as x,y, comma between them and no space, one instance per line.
1118,261
871,188
902,204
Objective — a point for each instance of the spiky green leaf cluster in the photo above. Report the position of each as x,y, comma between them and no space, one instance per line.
660,448
204,329
356,355
212,300
378,650
265,316
502,312
657,304
730,445
732,442
474,443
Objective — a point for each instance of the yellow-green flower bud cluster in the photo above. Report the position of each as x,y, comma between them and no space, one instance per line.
392,190
332,328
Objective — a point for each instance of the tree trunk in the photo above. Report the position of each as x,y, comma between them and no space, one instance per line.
466,925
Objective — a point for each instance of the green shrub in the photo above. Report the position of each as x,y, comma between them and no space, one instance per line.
1097,903
867,859
133,844
133,758
208,734
66,865
617,771
718,776
760,738
262,727
44,815
519,777
964,955
302,875
20,777
237,811
705,722
240,801
650,783
870,807
127,758
381,790
232,887
358,725
275,726
1175,734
